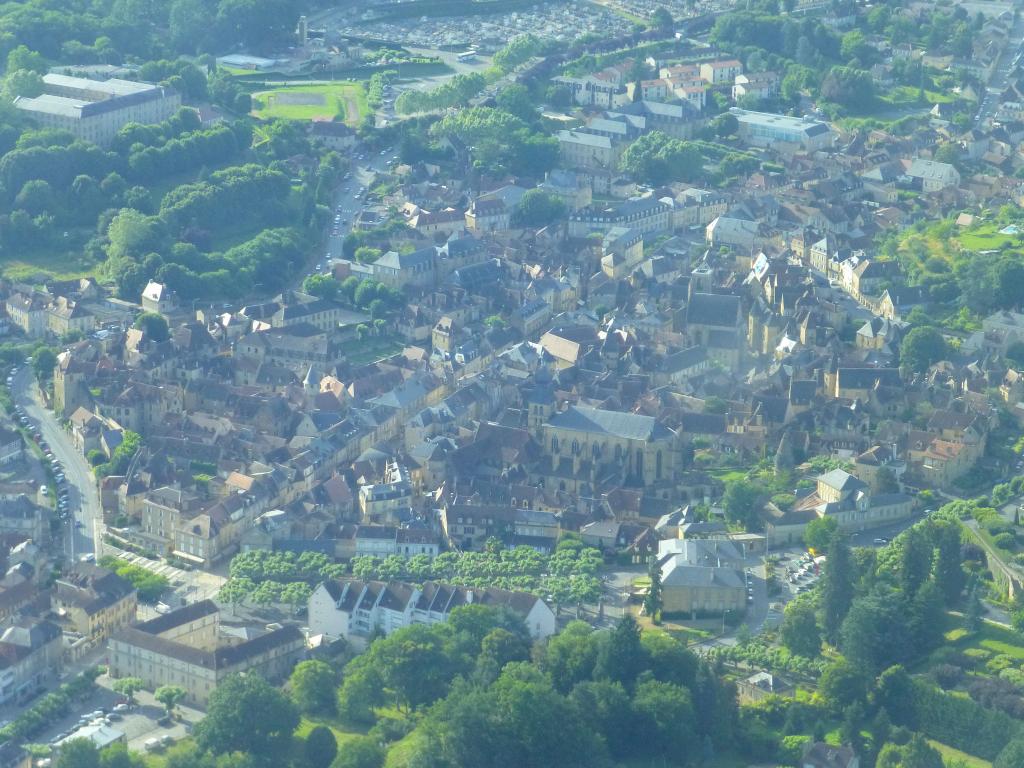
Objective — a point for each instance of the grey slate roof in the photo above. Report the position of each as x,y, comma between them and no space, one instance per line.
630,426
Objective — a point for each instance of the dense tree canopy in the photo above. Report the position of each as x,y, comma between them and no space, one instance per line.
247,714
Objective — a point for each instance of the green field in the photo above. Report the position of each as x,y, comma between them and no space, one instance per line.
985,238
991,637
334,101
57,265
950,756
342,733
370,350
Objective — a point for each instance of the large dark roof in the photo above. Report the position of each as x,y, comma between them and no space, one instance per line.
713,309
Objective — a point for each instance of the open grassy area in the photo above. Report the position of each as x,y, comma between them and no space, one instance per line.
370,350
985,237
342,731
727,475
56,264
950,756
333,101
991,637
905,95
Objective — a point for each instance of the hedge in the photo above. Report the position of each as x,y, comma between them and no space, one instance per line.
962,723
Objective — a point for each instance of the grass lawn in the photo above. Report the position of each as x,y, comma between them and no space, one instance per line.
728,475
949,755
370,350
991,637
342,731
904,95
984,238
59,265
334,101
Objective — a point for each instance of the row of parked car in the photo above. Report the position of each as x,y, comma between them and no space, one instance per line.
63,497
98,717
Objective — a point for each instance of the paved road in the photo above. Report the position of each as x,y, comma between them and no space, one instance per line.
1000,77
83,498
362,175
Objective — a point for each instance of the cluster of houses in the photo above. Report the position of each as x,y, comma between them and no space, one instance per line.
588,377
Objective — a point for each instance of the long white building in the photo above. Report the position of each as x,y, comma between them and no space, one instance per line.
354,609
95,110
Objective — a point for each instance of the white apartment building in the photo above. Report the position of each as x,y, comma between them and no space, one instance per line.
355,609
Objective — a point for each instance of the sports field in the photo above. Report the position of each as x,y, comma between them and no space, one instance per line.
330,101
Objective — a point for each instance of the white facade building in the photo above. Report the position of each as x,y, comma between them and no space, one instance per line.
354,609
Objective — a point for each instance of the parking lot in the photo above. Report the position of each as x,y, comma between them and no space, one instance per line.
54,469
142,722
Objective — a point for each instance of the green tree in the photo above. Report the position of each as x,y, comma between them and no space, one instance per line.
916,753
819,533
154,325
742,500
313,685
516,100
78,753
570,656
247,714
538,208
842,684
661,18
974,611
22,82
36,197
894,692
666,716
668,659
128,687
652,600
320,747
915,560
621,656
169,696
921,347
360,752
43,361
1008,277
324,286
607,710
1012,755
24,59
874,632
837,586
361,692
656,158
799,630
849,87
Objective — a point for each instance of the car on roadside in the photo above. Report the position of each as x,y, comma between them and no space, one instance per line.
880,542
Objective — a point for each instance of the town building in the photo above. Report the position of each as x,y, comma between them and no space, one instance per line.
95,110
195,648
765,129
354,609
93,602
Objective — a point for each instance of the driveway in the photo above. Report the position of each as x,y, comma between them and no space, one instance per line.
83,498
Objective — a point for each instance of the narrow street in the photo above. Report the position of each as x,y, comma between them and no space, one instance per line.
1000,76
85,530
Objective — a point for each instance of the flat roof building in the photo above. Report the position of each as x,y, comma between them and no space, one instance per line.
95,110
763,129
